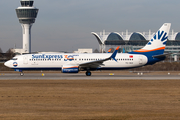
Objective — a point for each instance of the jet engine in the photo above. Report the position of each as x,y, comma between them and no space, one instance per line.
70,69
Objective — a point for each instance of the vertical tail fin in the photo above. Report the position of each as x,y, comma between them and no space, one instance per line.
158,42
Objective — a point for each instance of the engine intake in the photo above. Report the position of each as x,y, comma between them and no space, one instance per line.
70,69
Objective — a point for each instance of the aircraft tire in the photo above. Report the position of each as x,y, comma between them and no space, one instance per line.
21,74
88,73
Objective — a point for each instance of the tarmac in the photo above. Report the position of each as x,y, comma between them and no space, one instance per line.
95,76
106,95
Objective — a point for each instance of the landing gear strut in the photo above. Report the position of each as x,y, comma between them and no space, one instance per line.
88,73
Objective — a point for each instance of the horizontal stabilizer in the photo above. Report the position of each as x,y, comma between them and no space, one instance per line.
161,56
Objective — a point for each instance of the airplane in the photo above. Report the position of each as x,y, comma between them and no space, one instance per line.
151,53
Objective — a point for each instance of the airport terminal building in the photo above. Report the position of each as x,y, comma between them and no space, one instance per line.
129,41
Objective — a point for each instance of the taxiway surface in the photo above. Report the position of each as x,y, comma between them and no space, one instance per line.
82,76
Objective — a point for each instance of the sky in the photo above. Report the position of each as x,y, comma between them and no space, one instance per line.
66,25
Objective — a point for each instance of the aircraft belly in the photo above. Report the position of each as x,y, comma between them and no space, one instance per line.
122,64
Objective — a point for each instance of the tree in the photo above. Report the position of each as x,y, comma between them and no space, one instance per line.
1,50
96,51
9,54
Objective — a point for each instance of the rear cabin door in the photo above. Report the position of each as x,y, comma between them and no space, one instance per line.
140,60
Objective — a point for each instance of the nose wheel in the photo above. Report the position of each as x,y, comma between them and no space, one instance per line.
21,74
88,73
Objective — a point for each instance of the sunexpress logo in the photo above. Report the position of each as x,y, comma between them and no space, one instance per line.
158,37
15,64
44,56
69,57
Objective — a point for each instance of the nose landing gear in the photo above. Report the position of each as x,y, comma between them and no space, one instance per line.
21,74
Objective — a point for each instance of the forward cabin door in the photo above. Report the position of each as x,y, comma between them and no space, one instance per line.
25,60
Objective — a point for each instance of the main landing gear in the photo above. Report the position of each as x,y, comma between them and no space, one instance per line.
88,73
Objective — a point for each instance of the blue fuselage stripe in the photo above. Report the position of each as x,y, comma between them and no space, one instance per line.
150,55
104,68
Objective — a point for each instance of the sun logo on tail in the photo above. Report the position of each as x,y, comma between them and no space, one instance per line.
159,36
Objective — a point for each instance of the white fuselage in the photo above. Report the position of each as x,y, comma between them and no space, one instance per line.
56,61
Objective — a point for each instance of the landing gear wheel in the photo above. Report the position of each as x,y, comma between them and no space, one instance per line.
21,74
88,73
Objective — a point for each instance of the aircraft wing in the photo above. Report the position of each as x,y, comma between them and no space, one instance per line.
97,63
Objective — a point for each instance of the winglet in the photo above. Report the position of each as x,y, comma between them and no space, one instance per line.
109,50
114,54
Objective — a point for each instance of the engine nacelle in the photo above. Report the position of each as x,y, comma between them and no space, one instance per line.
70,69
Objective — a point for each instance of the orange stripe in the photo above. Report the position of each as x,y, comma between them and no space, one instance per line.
70,67
109,50
143,50
117,48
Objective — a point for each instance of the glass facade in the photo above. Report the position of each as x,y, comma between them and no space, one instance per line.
173,42
140,42
114,42
177,36
27,21
27,3
137,42
114,39
114,36
136,36
26,13
137,39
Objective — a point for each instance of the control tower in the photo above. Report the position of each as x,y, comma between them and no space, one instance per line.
26,14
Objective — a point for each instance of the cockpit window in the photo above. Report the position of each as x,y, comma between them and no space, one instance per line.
14,59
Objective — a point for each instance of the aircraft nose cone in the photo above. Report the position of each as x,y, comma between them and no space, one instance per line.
7,64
